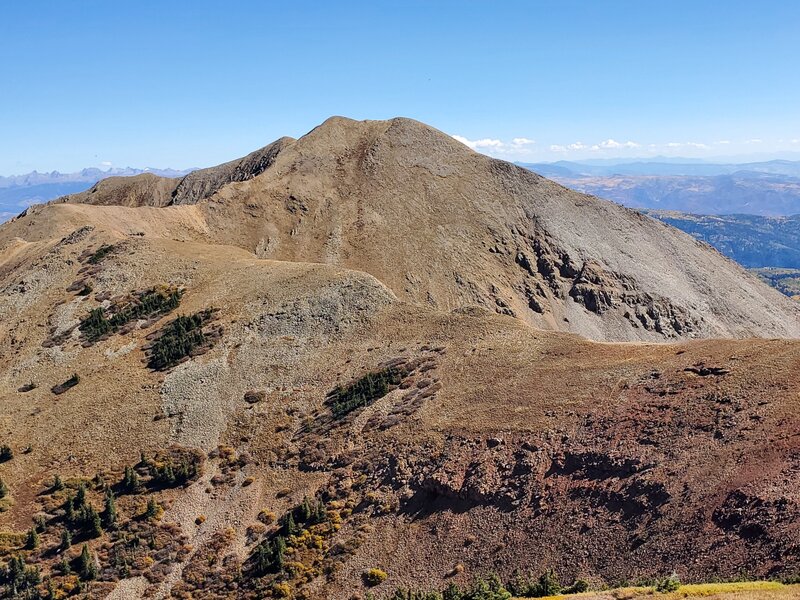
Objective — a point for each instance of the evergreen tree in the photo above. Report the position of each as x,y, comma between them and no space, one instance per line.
452,592
64,566
69,509
87,568
50,590
152,508
40,523
66,540
305,511
80,497
130,482
96,524
289,525
32,541
548,584
110,512
57,483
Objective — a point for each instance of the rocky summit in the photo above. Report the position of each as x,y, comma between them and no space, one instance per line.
371,357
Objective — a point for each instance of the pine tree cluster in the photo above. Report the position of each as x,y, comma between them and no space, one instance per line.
179,338
363,391
148,304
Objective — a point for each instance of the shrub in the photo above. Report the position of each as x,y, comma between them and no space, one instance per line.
579,586
3,488
374,577
40,523
668,584
6,453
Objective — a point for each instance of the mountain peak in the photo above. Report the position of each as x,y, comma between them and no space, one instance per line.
447,227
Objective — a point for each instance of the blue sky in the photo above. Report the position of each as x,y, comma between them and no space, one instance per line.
180,84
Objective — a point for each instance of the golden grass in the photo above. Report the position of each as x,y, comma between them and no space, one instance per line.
745,590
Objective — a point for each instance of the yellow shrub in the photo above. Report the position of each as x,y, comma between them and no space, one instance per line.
375,577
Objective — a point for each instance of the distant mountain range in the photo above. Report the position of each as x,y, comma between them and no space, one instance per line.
768,246
769,188
17,192
750,240
565,168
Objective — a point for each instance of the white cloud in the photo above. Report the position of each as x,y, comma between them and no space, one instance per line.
521,141
558,148
106,163
577,146
614,144
696,145
754,141
723,142
795,141
483,143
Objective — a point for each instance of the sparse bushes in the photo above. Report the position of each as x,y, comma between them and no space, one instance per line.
3,489
374,577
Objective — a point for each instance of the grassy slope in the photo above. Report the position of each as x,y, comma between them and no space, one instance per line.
748,590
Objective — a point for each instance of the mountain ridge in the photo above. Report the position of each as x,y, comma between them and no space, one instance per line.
557,268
